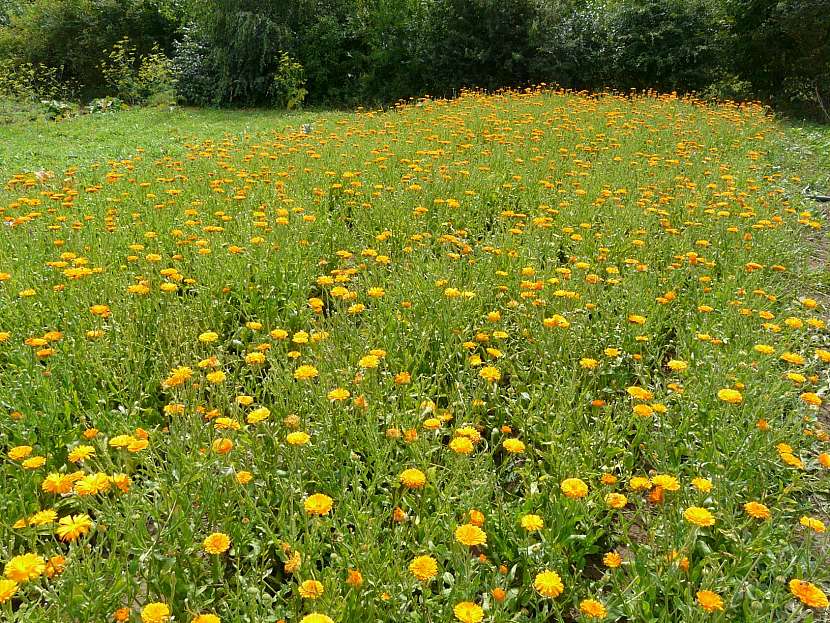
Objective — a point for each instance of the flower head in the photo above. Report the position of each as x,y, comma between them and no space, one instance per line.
216,543
155,612
808,593
548,584
709,601
471,535
318,504
468,612
424,568
699,516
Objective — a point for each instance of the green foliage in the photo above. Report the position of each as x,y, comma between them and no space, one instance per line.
288,90
663,44
783,48
570,42
139,79
72,33
30,82
357,52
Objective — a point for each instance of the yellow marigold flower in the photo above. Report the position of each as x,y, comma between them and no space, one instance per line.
81,453
8,589
468,612
461,445
424,568
318,504
592,609
316,617
808,593
470,535
813,524
756,510
369,362
215,377
55,566
402,378
41,518
311,589
709,601
556,321
642,410
34,462
413,478
588,363
137,445
73,526
574,488
811,399
206,618
699,516
612,560
208,336
548,584
305,372
793,461
18,453
490,373
122,481
704,485
258,415
639,483
155,612
216,543
669,483
616,500
730,396
639,393
178,376
608,479
24,568
514,446
57,484
677,365
339,394
793,358
297,438
255,358
532,523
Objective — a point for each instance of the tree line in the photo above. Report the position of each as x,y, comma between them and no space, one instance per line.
366,52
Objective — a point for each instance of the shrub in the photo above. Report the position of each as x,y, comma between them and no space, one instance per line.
139,79
663,44
196,77
288,90
34,82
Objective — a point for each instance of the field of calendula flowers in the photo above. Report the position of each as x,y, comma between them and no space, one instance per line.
522,357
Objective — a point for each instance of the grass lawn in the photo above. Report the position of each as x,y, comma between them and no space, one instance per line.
526,357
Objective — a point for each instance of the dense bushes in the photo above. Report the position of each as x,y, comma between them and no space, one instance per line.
349,52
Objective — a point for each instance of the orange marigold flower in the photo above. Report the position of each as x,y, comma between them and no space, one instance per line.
424,568
592,608
709,601
808,593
